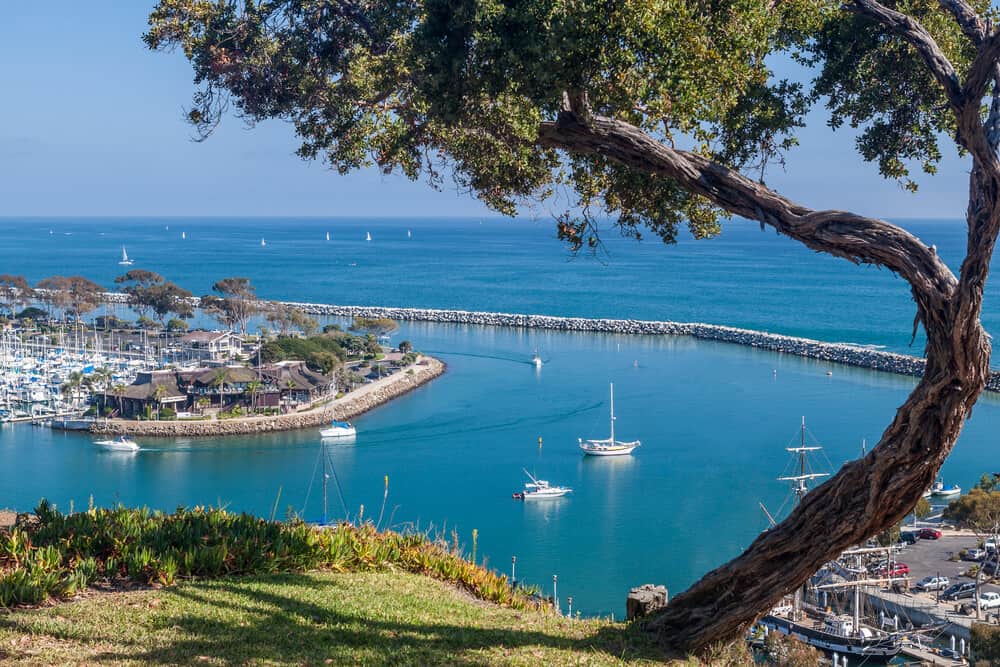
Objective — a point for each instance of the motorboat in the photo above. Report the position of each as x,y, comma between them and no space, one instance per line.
939,490
610,446
539,489
120,444
536,360
339,430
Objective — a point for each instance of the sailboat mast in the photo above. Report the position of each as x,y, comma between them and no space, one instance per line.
612,413
325,478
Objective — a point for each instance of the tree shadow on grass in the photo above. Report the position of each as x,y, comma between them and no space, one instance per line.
251,625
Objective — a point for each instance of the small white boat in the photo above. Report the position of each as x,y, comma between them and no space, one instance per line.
408,234
609,447
183,235
539,489
339,430
263,243
328,236
536,360
120,444
368,236
939,490
125,261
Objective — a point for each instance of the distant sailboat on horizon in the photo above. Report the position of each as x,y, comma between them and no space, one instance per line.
125,261
263,243
368,236
183,235
328,236
408,234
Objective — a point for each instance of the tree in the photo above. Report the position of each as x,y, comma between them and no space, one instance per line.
137,283
219,382
525,98
15,291
169,298
73,295
376,326
405,346
254,387
238,303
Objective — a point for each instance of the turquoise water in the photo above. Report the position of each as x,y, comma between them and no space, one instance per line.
714,419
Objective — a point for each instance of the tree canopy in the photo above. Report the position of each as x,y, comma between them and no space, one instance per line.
658,114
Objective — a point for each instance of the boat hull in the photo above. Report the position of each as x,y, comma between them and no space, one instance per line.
115,446
338,432
882,649
608,451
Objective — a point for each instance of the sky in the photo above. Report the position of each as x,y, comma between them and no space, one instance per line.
91,124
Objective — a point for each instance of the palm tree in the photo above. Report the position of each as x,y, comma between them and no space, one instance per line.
219,382
119,391
254,386
158,395
71,387
289,385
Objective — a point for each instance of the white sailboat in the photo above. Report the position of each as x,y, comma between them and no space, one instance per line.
339,429
125,261
408,234
263,243
536,360
609,447
328,236
183,235
368,236
539,489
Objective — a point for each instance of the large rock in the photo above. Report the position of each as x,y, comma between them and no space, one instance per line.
644,600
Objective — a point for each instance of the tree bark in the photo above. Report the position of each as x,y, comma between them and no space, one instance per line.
867,495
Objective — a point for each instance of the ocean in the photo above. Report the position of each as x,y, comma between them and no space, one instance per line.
713,418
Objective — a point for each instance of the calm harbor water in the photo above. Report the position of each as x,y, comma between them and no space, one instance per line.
714,419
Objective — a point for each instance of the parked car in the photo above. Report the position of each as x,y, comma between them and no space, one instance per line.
908,536
990,546
897,570
929,534
932,583
960,591
974,554
989,600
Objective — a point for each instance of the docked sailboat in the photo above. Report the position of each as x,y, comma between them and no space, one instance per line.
119,444
125,261
339,429
539,489
609,447
843,634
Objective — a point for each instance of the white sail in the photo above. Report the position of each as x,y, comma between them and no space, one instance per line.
328,236
263,243
125,261
368,236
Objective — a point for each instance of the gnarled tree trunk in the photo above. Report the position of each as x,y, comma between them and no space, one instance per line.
867,495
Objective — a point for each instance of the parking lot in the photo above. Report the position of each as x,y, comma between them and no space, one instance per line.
932,557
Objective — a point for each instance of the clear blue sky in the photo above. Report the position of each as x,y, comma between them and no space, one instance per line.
91,124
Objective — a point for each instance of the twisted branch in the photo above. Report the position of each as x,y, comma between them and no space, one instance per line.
847,235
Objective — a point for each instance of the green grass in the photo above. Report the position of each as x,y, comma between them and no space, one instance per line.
371,618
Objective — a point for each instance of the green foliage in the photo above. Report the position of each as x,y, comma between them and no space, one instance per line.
323,353
61,554
167,413
32,313
985,643
377,326
176,324
988,482
889,536
977,510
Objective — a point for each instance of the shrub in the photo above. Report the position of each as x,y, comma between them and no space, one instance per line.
168,413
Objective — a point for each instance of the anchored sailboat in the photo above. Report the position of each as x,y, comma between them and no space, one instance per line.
609,447
125,261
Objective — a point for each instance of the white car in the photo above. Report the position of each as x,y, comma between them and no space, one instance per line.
989,600
933,583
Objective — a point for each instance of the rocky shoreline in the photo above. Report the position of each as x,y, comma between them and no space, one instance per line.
838,353
361,400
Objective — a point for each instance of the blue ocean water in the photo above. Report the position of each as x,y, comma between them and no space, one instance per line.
745,278
713,418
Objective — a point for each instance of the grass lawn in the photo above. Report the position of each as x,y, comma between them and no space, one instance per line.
315,618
